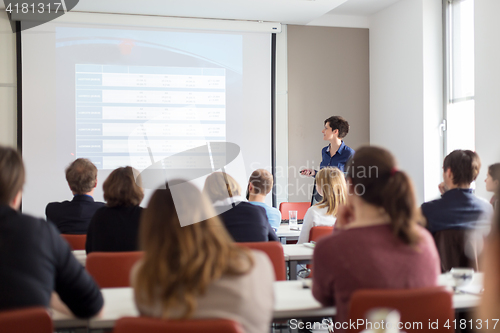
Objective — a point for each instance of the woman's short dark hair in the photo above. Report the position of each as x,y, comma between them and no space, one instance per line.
11,174
337,122
464,165
121,189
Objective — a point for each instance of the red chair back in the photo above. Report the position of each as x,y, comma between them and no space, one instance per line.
319,232
300,207
112,269
76,242
154,325
274,251
414,305
26,320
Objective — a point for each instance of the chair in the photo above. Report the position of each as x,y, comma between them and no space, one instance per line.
414,305
319,232
274,250
456,248
315,234
112,269
26,320
300,207
155,325
76,242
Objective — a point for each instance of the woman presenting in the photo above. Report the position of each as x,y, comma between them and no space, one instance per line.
337,153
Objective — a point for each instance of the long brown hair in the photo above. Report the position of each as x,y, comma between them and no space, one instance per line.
374,177
332,184
181,262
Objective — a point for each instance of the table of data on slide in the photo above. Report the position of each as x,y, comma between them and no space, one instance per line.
134,115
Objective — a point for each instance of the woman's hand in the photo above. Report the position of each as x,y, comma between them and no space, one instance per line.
442,188
308,172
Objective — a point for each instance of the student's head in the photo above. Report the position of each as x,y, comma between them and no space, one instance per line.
220,186
11,177
181,262
260,182
374,178
81,176
330,183
493,178
121,189
338,123
461,167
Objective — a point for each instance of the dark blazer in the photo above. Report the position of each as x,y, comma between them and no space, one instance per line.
247,223
114,229
457,209
34,261
73,217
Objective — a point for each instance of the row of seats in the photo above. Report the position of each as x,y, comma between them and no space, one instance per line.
112,269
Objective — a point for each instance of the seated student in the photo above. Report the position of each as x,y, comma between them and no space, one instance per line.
244,222
490,299
458,207
73,217
197,271
493,181
377,242
115,227
330,184
35,261
459,213
259,185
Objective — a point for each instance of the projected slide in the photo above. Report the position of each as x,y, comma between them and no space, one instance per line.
139,114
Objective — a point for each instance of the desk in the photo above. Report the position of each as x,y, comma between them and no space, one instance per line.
285,233
291,301
81,256
296,254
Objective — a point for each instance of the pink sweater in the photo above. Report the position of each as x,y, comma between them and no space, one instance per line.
370,258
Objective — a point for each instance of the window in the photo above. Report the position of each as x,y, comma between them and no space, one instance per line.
459,111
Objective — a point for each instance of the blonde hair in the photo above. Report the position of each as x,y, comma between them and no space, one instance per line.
332,183
181,262
220,186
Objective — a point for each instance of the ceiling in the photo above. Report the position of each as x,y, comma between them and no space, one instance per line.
283,11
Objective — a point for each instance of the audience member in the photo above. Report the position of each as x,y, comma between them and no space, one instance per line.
196,271
35,261
490,300
330,184
454,218
115,227
244,222
73,217
377,242
493,182
259,185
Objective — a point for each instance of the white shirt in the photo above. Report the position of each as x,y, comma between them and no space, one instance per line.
315,217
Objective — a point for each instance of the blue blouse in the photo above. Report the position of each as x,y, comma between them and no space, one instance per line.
339,159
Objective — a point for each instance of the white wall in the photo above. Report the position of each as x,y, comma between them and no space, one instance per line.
406,88
487,86
8,113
